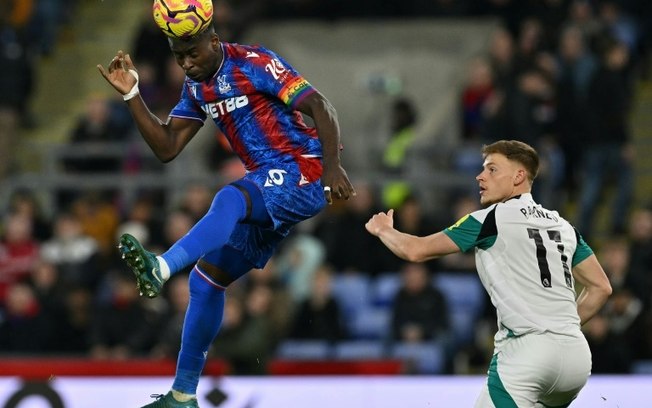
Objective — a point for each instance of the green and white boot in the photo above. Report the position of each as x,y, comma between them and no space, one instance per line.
168,401
144,265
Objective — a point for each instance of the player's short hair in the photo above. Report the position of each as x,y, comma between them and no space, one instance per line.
516,151
200,36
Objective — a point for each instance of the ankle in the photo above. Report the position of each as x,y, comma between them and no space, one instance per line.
183,397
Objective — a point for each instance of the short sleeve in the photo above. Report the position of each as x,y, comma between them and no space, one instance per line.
464,232
187,108
273,75
582,251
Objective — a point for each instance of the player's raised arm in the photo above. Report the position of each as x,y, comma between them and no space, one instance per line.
406,246
166,139
324,115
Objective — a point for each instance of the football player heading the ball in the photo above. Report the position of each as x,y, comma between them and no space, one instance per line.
293,170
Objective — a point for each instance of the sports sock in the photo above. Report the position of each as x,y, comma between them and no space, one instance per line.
163,268
211,232
182,397
202,322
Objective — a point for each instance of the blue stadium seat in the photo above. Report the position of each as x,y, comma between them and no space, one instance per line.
351,292
642,367
384,288
293,349
359,350
465,299
421,358
370,323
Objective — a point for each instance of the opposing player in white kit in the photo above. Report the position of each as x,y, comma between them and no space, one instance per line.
528,259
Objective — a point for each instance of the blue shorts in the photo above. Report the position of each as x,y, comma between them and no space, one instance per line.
288,201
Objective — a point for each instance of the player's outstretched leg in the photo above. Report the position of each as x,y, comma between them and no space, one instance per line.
144,265
167,401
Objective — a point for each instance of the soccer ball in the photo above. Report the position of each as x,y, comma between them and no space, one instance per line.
182,18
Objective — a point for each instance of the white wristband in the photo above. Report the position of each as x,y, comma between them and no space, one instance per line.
134,90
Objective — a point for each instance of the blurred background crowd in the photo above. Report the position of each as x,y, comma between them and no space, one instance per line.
566,76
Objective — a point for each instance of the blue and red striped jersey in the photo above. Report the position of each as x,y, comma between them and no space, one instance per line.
252,99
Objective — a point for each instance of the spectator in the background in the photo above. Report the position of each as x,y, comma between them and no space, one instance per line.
149,47
529,107
244,340
582,14
639,277
68,308
74,321
273,302
47,286
144,220
318,316
24,202
610,354
16,76
477,93
480,102
74,253
297,262
608,154
122,327
411,217
619,25
100,122
18,251
24,327
625,314
501,57
419,311
177,223
168,339
99,219
576,65
403,119
196,200
50,16
529,44
341,228
614,255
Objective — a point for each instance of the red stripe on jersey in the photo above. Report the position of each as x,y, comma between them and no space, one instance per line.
310,168
231,133
208,90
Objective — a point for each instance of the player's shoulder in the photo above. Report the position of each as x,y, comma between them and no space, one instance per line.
524,205
482,214
245,52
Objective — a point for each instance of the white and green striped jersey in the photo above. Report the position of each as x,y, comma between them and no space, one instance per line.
524,254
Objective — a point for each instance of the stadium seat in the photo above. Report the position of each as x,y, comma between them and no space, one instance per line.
422,358
370,323
351,292
642,367
292,349
465,299
384,288
359,350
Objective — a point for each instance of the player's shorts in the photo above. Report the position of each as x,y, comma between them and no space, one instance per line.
537,370
288,199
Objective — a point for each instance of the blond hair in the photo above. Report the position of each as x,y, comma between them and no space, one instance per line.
517,151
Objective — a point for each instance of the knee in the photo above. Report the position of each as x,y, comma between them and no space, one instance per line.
216,274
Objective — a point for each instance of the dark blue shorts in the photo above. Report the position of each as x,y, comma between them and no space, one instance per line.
288,201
